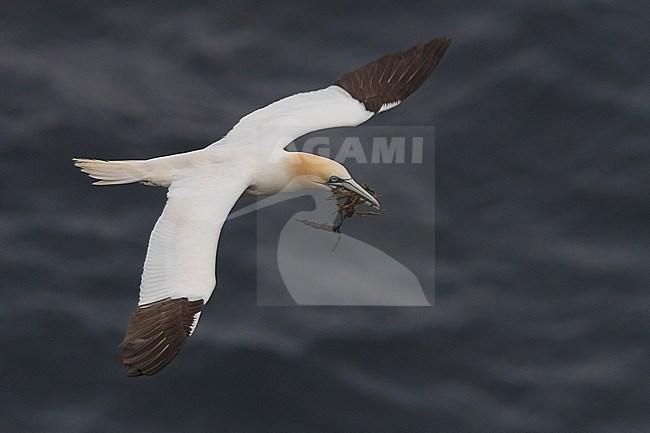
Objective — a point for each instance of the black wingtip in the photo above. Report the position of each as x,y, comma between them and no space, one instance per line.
157,333
393,77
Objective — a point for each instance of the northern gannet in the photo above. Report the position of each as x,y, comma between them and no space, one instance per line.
203,186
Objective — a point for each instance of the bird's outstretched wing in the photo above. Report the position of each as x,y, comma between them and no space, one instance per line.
179,271
384,83
350,101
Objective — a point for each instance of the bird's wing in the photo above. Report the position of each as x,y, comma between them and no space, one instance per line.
350,101
179,271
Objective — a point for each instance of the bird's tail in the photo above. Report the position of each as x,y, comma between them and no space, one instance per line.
111,172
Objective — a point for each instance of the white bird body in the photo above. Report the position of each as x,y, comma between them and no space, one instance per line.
203,185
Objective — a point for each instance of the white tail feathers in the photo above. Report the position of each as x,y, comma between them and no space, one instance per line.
111,172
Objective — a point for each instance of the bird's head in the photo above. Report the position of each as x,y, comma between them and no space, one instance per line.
313,171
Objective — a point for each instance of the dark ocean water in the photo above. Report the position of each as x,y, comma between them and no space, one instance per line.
536,196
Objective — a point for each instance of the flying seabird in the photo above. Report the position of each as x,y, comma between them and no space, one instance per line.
203,186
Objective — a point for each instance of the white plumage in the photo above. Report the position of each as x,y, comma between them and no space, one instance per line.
179,270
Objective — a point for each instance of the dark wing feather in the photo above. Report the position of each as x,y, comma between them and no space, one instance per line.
156,334
391,78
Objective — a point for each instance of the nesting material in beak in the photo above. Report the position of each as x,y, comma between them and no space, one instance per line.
347,202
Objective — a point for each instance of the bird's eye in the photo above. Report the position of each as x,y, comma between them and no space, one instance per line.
334,179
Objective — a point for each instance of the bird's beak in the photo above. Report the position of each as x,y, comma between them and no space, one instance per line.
355,187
